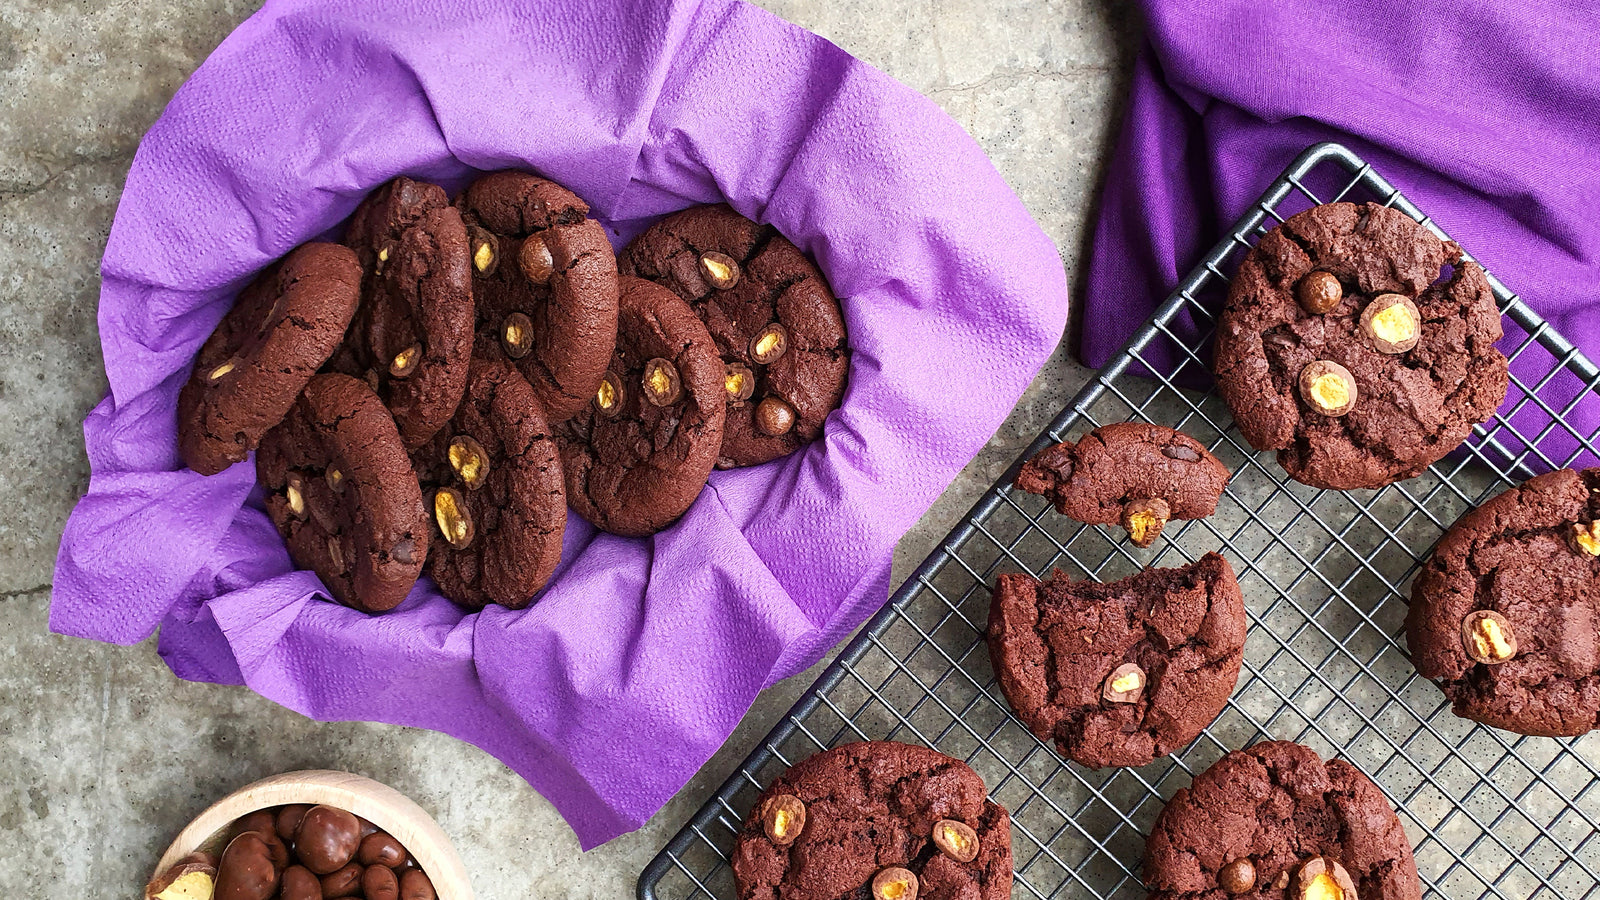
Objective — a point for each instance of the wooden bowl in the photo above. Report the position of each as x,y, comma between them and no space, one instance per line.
378,803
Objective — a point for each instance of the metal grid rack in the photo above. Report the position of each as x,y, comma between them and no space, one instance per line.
1325,576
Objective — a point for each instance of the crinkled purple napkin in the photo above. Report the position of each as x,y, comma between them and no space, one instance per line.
642,655
1487,116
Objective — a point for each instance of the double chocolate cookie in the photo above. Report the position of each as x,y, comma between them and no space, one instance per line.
342,494
1133,474
545,278
412,338
281,330
492,478
879,819
776,323
1505,616
639,453
1344,347
1119,674
1275,821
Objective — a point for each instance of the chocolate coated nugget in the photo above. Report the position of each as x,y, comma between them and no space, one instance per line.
1342,347
281,330
776,322
342,494
1505,616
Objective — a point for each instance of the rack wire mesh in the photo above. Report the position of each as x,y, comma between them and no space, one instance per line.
1325,576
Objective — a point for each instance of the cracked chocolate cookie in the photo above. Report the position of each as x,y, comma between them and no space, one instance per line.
1275,821
638,454
341,492
412,338
1505,616
1359,346
775,320
281,330
877,819
1131,474
545,278
492,481
1119,674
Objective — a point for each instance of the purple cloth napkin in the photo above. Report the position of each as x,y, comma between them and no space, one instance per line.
642,655
1487,116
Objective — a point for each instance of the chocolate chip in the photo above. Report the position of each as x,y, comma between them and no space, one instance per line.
1319,292
405,362
774,417
1323,879
662,386
469,460
1488,638
1328,388
404,552
608,397
485,248
956,839
894,883
1237,877
770,344
739,382
455,522
1391,323
1125,684
536,261
719,270
1179,451
783,819
1144,519
516,335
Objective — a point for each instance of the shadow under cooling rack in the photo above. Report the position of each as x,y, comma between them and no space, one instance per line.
1325,575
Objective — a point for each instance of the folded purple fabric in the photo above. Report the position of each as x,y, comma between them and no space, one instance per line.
642,655
1487,115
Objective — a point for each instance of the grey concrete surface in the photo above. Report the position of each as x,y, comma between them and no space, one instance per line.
104,755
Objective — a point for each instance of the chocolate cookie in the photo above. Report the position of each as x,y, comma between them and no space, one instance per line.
546,284
281,330
638,454
1343,348
872,820
1119,674
1133,474
1505,616
412,340
775,320
492,479
1275,821
342,494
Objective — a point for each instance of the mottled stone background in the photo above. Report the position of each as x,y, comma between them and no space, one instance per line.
103,753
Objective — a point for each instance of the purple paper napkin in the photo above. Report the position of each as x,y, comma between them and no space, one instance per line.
642,655
1487,116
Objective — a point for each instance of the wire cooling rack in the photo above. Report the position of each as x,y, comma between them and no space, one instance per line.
1325,576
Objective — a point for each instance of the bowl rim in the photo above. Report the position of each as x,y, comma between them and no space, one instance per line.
372,800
